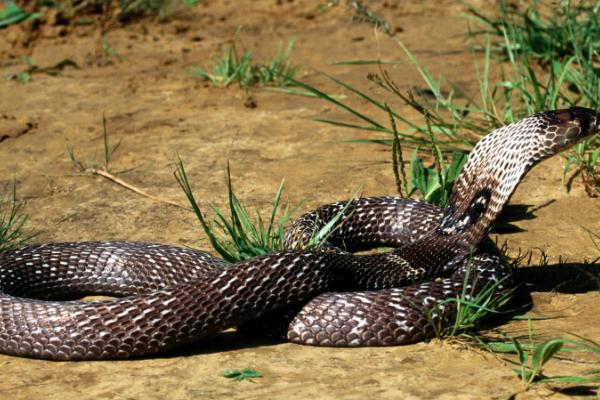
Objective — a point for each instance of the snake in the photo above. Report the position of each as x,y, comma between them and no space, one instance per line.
164,297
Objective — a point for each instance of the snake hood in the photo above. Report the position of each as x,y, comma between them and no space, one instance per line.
500,160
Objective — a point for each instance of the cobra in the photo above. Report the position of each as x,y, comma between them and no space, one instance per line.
167,296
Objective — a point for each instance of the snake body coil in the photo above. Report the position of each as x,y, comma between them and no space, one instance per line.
170,296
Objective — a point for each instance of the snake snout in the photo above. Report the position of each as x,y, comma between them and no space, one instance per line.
587,119
567,127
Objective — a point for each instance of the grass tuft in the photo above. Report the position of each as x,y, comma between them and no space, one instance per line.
238,235
585,159
237,66
161,8
452,120
470,308
544,31
435,183
24,76
10,13
74,11
533,356
242,375
109,51
562,40
108,151
12,221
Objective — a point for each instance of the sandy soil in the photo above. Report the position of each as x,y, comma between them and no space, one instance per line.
158,110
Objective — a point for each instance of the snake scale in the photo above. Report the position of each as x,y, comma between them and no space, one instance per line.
168,296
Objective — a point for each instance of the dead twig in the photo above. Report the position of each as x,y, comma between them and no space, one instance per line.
102,169
121,182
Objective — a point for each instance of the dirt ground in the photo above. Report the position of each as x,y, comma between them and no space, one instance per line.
159,110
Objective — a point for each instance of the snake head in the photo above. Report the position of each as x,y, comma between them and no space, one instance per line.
567,127
501,159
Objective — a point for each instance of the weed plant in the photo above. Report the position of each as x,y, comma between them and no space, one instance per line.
564,39
544,31
455,118
11,13
452,121
470,308
12,221
237,66
584,157
434,183
595,237
363,14
102,169
534,355
107,153
239,236
459,120
161,8
242,374
24,76
128,9
109,51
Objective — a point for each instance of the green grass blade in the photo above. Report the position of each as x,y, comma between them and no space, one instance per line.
338,103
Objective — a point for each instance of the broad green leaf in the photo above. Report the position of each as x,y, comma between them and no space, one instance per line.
545,352
12,14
